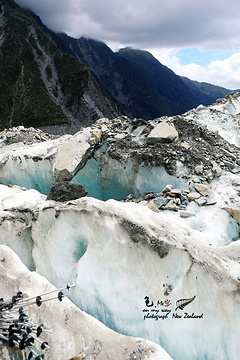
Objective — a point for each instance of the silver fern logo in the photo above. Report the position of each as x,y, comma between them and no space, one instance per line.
182,303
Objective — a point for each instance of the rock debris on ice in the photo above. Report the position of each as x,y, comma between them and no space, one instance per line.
160,224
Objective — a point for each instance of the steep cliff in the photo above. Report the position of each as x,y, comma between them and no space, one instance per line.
136,83
39,85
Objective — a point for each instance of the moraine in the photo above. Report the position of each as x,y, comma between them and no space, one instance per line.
175,237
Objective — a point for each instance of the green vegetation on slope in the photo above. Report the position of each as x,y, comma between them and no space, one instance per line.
24,52
136,83
73,76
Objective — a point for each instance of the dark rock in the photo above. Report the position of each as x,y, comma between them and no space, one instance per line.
66,191
149,196
210,203
160,201
130,198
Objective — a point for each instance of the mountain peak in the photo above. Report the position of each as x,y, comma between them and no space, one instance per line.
136,83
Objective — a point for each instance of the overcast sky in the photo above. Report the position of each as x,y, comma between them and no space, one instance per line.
195,38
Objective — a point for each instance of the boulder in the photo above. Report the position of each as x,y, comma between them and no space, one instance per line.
201,201
171,205
71,157
203,189
167,188
185,145
199,169
152,206
159,201
66,191
216,170
143,203
234,211
193,196
95,136
163,132
176,192
120,136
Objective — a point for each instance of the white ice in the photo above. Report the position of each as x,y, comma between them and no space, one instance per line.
119,253
105,247
217,228
71,332
223,116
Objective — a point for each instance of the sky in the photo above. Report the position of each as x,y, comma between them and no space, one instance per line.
199,39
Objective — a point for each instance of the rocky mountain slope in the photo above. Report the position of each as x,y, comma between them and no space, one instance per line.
39,84
45,82
135,82
206,93
154,247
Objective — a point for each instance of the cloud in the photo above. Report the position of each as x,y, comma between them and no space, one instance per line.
141,23
160,26
224,73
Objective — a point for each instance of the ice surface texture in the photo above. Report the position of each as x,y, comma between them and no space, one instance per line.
118,253
223,116
73,332
125,259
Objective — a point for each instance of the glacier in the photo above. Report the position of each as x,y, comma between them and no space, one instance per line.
134,261
119,253
103,176
223,116
66,322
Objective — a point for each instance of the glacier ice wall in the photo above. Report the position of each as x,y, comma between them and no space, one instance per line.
103,177
106,178
27,166
72,332
125,261
38,165
119,253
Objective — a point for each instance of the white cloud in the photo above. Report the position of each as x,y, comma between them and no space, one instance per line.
224,73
